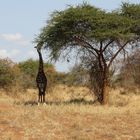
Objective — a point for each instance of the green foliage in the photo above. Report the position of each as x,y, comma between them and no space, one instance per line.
132,11
22,76
28,73
29,69
85,21
7,75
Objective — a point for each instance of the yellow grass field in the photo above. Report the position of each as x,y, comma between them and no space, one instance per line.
70,114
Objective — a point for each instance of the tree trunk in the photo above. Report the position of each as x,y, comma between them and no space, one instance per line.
105,93
104,96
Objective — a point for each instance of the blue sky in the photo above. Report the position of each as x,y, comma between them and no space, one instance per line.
21,20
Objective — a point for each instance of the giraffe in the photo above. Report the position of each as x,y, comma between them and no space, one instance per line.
41,79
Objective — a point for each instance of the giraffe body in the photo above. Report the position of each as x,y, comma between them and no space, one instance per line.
41,79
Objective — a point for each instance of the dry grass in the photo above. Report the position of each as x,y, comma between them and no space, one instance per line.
70,115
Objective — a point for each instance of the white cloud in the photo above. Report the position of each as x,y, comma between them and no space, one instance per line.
16,38
10,54
12,37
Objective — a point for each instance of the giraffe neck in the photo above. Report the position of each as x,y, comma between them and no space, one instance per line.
40,62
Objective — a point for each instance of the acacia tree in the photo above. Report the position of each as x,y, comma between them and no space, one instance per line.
98,36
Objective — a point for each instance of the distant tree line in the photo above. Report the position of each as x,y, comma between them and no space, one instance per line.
22,75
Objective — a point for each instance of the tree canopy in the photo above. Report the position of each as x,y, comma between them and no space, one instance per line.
132,11
89,23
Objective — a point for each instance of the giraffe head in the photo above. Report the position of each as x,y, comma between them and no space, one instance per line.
38,48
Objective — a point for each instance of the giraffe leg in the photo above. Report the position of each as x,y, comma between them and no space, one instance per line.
43,98
38,99
44,103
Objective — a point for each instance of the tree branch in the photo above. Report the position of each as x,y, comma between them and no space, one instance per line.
115,55
80,40
111,41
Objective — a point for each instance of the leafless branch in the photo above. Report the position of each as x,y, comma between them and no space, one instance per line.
105,47
119,50
85,43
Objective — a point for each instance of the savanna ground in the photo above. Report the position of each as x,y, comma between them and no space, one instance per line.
70,114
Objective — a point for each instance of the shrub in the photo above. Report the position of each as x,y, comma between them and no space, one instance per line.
130,73
29,69
7,74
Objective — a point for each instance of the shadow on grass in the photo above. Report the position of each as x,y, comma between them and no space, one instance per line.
72,101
